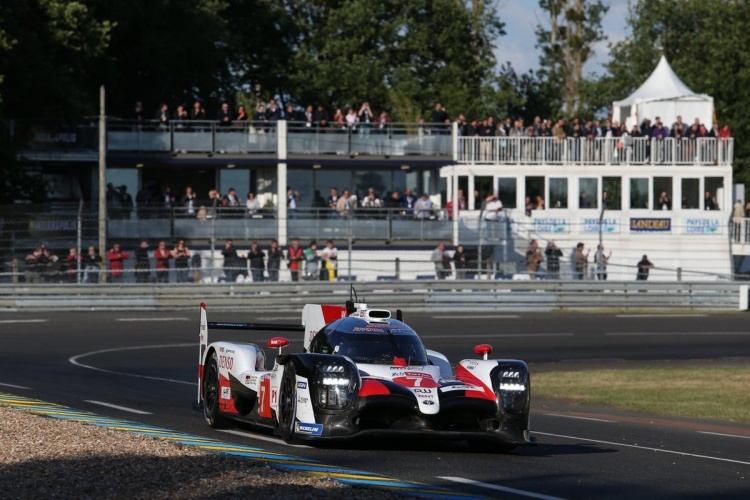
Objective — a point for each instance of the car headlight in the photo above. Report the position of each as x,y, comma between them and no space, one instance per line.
335,385
513,389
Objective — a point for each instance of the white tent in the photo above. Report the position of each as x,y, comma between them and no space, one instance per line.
664,95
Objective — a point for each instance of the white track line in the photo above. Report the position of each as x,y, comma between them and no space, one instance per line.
660,315
648,448
497,316
12,321
500,335
74,360
117,407
581,418
261,438
498,488
15,386
654,334
725,435
153,319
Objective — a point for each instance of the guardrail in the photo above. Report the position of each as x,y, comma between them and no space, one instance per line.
417,296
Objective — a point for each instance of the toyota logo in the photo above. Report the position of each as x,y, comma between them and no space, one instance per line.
428,402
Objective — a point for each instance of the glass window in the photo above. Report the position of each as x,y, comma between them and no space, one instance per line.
558,193
127,177
638,193
483,186
588,192
301,180
237,178
691,194
506,191
663,193
612,193
379,180
715,190
535,192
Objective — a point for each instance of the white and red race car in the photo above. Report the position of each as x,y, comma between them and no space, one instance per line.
361,373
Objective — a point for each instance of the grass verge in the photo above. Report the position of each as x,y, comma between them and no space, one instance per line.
719,393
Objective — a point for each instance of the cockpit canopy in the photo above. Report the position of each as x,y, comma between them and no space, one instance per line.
385,342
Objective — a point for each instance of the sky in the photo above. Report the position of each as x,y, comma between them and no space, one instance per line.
521,18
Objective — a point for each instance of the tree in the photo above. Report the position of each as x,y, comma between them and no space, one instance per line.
574,26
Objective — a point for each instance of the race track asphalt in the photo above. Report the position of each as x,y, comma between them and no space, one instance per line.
147,362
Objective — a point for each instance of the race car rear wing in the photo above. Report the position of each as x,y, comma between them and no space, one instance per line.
224,325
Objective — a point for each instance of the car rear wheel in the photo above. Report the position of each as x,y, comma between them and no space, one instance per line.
212,393
288,404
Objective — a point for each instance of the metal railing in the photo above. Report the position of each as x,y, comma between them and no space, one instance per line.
598,151
420,295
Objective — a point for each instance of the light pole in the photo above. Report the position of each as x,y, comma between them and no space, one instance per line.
600,249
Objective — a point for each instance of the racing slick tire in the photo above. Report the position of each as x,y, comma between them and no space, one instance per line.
288,404
211,394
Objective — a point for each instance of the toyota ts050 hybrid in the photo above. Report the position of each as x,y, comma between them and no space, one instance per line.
361,372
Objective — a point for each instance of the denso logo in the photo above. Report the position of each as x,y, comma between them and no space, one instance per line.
510,375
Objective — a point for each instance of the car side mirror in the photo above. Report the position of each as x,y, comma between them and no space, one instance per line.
483,350
277,342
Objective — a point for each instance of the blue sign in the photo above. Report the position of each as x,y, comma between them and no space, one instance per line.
313,429
650,225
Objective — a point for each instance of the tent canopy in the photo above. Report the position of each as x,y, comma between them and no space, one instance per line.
663,94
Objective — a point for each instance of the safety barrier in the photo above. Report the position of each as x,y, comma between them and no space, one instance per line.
419,296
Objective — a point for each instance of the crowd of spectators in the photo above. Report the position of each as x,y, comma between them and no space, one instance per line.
364,120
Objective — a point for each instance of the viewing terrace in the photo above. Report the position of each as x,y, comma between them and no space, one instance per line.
46,141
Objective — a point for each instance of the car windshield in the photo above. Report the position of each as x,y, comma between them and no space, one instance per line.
379,348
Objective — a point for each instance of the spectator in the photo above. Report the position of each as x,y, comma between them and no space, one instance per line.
224,116
442,261
423,208
365,118
439,118
116,258
142,263
241,115
275,254
162,116
371,203
351,119
708,203
393,203
197,113
92,265
167,198
260,120
312,260
580,262
338,119
601,261
643,268
292,199
344,205
333,199
534,258
383,123
256,259
291,115
35,263
492,208
188,201
252,204
329,258
162,257
273,113
410,200
461,262
309,118
180,115
553,254
181,255
321,117
231,261
72,262
126,201
295,256
664,202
